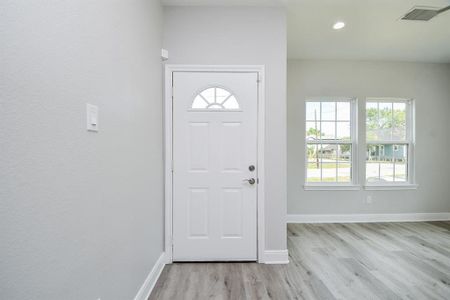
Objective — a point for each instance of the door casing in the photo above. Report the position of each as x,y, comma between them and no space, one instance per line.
168,147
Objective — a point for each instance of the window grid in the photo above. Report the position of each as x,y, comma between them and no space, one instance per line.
406,145
215,98
380,157
336,143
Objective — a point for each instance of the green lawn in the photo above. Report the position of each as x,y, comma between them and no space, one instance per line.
329,165
313,165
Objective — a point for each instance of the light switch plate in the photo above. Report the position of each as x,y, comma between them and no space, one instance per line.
91,117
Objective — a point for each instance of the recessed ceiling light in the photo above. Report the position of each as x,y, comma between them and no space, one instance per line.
338,25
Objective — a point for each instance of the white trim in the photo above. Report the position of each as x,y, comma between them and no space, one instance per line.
261,165
329,99
169,69
382,143
168,164
411,105
409,141
353,142
149,283
276,257
331,187
390,187
368,218
387,99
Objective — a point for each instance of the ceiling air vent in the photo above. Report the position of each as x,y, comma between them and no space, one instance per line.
424,13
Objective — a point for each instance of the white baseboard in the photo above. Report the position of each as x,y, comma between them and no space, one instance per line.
150,281
276,257
368,218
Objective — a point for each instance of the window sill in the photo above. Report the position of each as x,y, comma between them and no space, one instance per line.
390,187
331,187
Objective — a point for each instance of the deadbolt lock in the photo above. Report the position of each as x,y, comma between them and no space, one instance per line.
251,168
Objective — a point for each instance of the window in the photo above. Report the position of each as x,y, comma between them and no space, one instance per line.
390,141
330,142
215,98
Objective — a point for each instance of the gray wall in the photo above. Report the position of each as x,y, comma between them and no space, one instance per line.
243,35
81,214
428,84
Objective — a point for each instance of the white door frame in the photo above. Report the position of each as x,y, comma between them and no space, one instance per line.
168,144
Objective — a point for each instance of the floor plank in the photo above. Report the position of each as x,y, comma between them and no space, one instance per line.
328,261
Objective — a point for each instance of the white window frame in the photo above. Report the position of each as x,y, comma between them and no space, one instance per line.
325,186
409,141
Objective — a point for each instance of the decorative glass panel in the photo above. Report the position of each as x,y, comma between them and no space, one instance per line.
215,99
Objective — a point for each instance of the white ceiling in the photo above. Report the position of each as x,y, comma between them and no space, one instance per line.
373,30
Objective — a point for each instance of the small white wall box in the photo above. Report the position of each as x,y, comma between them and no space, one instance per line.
91,117
164,54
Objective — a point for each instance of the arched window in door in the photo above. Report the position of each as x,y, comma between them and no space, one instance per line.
215,98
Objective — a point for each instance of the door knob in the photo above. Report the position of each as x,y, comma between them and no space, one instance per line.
251,181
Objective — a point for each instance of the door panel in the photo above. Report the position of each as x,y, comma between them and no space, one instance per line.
214,143
198,146
231,144
231,213
197,213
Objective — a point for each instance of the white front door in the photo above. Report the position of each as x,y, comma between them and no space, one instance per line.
214,166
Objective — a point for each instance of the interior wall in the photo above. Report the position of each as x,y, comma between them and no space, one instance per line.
428,84
81,213
243,36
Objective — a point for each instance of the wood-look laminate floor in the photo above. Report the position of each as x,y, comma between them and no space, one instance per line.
329,261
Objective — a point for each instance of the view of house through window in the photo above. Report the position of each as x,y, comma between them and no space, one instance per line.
388,138
329,141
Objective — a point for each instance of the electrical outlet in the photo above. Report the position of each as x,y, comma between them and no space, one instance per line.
369,200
